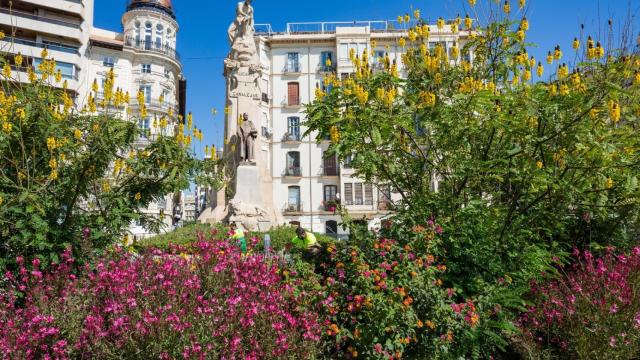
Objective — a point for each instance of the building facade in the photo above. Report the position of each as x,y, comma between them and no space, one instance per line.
307,184
143,58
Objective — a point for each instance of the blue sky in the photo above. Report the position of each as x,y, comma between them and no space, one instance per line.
202,40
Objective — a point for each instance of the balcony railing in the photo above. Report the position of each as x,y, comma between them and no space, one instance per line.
152,46
330,171
290,208
291,69
289,137
62,48
358,202
326,69
293,101
31,16
293,171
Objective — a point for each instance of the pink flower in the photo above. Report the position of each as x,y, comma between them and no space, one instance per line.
613,309
612,341
378,348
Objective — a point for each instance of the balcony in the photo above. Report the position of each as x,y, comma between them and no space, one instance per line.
291,138
293,208
331,205
292,69
40,24
293,171
292,102
358,202
330,171
152,47
326,69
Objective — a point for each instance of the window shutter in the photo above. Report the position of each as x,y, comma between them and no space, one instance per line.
368,194
358,194
348,193
294,93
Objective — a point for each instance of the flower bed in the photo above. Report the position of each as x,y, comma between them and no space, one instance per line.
592,312
212,303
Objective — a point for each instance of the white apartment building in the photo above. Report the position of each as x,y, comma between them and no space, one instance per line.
306,184
143,58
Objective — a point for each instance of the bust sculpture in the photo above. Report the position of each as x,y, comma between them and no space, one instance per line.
248,134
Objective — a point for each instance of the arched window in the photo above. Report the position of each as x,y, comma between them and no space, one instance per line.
331,228
148,36
159,36
137,31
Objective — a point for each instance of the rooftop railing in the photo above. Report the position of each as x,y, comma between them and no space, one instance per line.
330,27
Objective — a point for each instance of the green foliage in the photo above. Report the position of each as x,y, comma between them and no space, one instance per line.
183,236
78,179
526,171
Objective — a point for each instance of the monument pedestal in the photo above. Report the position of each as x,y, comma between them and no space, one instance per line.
248,206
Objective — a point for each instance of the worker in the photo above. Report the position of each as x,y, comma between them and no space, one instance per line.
237,234
306,241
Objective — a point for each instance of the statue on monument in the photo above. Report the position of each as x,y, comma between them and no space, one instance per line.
248,134
241,32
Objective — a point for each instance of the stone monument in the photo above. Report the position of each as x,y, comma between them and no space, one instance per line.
252,203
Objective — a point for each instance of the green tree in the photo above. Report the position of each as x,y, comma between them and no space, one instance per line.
526,169
79,179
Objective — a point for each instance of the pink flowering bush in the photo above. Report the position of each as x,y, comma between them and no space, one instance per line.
213,303
592,312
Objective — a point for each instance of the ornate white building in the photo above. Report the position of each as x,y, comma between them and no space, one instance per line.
143,58
307,184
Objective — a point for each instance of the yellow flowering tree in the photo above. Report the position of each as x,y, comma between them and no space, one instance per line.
518,171
73,178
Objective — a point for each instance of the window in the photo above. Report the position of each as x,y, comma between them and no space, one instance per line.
293,128
137,31
294,203
159,36
146,68
326,61
368,194
293,94
293,164
148,29
357,199
347,161
146,90
166,97
68,70
167,73
330,193
330,165
331,228
293,63
108,61
344,52
144,125
384,197
348,194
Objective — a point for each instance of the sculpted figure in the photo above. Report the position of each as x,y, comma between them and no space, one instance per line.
248,134
241,31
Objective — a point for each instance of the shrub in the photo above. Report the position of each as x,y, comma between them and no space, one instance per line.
214,303
386,299
183,236
591,312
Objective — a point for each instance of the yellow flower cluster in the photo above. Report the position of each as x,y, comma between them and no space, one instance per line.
335,134
427,99
614,111
470,85
386,96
